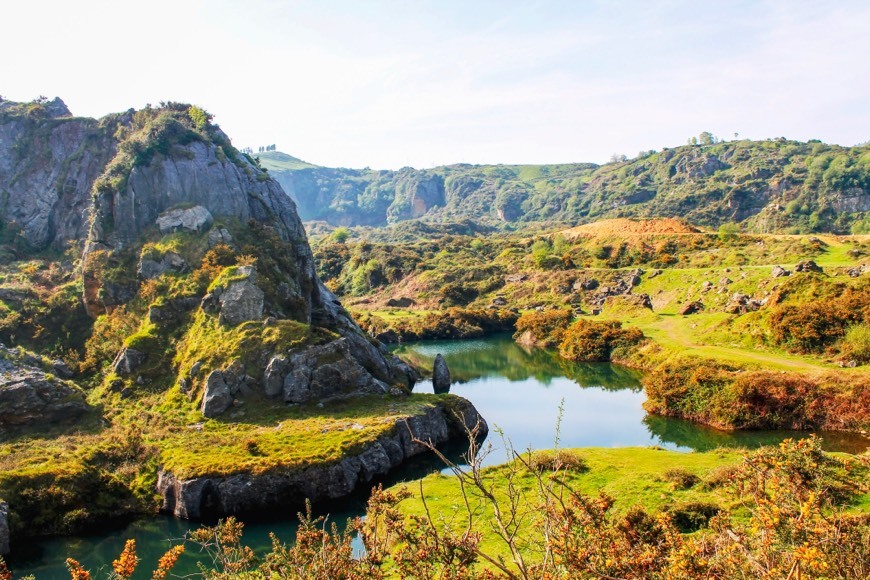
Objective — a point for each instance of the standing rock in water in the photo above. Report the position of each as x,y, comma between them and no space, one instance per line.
440,375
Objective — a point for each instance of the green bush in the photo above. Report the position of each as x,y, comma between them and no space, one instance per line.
856,343
545,328
592,341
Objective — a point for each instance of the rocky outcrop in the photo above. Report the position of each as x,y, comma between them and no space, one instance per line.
154,266
242,300
246,493
700,166
218,397
59,173
4,528
403,302
742,303
127,361
48,165
29,397
808,266
691,308
416,193
779,272
321,372
440,375
194,219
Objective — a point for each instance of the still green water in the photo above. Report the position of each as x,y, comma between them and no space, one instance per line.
518,391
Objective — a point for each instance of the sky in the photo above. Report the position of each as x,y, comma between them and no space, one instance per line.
387,84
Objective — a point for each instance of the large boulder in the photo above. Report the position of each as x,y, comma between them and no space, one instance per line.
127,361
155,266
779,272
440,375
321,372
692,307
194,219
29,397
218,395
242,300
807,266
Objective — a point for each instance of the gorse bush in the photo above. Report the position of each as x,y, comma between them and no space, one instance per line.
543,329
856,343
815,325
716,394
451,323
594,341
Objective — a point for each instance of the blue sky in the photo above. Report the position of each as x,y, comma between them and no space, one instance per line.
422,83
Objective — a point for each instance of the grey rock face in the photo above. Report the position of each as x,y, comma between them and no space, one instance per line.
219,236
440,375
416,194
853,199
30,397
46,182
151,268
245,493
273,377
195,219
242,300
127,361
4,528
779,272
217,398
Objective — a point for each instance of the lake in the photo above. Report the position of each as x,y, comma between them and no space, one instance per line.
519,391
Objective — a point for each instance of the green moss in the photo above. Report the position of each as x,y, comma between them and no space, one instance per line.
226,277
287,438
217,345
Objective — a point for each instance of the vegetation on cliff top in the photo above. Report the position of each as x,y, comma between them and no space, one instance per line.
767,186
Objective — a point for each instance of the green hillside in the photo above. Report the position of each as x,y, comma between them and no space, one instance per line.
277,161
767,186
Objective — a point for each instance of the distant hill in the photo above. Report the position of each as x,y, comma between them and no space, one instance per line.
767,186
277,161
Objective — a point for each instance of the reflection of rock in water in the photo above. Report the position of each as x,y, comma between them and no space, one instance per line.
697,437
440,375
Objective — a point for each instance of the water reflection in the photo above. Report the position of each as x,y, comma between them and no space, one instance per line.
519,391
502,358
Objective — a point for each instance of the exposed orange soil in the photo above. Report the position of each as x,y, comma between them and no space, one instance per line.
624,226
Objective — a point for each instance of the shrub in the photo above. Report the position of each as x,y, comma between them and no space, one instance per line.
340,235
717,395
592,341
691,517
812,326
856,343
543,329
680,478
559,460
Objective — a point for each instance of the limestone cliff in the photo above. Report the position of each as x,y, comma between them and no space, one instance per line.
131,179
49,161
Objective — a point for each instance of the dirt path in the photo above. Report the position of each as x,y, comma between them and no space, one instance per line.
674,332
